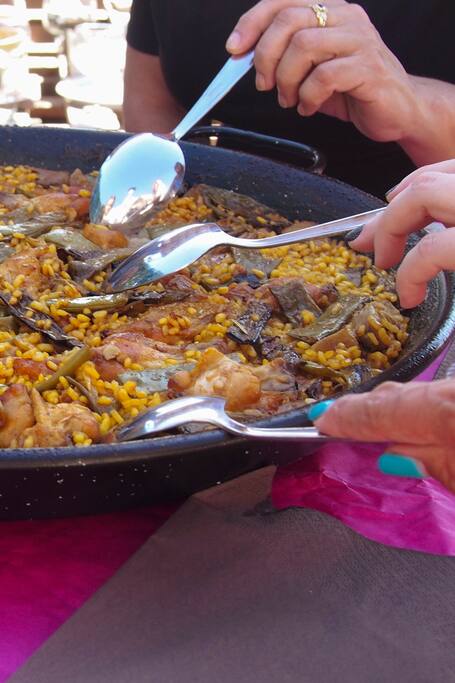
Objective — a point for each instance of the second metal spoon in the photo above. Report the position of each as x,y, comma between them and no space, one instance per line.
179,248
147,169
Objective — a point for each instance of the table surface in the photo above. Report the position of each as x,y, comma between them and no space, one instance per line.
48,569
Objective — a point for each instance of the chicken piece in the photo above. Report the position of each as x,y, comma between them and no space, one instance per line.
14,201
217,375
47,177
104,237
30,368
16,415
55,424
110,356
25,262
172,332
61,201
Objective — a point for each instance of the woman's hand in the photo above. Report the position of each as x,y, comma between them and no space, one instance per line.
346,70
426,195
418,419
343,69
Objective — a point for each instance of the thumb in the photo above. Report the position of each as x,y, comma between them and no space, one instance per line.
251,26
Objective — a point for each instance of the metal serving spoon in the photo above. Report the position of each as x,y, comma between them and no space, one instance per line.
179,248
209,410
147,169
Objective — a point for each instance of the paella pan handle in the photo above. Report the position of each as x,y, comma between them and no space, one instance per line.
286,151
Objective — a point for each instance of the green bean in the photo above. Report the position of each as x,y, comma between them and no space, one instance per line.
68,367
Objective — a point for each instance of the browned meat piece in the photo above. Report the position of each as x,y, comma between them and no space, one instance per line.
58,201
14,201
30,368
109,357
47,177
217,375
149,324
16,414
103,237
55,424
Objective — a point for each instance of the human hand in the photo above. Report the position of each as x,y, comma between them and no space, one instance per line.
344,70
418,419
426,195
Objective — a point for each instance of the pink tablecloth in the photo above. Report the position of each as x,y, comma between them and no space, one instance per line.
48,569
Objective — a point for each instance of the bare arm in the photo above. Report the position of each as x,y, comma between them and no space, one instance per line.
432,137
147,104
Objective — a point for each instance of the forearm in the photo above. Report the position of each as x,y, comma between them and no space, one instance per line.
432,135
148,104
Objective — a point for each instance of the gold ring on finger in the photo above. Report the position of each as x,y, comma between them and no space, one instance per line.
321,13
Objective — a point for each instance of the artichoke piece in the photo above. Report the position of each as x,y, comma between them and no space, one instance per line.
348,377
247,329
32,227
334,318
254,260
82,270
51,330
67,368
225,203
153,379
344,336
294,298
272,347
73,242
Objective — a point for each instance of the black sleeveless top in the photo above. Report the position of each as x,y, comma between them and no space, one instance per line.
189,36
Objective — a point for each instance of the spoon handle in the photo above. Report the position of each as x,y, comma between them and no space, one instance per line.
330,229
234,69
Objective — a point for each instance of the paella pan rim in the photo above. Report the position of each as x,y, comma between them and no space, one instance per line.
96,146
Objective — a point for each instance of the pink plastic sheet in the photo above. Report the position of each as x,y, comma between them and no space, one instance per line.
344,481
49,568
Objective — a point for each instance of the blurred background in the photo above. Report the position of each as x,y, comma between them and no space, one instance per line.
61,62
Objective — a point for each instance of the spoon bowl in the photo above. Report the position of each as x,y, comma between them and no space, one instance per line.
210,410
147,170
143,172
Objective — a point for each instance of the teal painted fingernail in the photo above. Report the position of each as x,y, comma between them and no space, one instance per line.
318,409
400,466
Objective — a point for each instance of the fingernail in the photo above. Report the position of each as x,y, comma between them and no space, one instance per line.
233,41
390,191
318,409
282,101
401,466
260,82
352,235
301,110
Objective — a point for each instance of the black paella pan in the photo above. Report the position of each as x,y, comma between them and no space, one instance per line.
69,481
